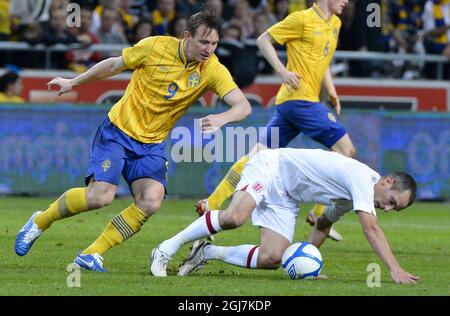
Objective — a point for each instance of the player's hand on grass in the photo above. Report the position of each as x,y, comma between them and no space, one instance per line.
334,99
65,85
321,277
211,123
290,79
401,276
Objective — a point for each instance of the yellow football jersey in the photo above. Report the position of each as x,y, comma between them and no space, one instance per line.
163,86
7,99
4,18
311,40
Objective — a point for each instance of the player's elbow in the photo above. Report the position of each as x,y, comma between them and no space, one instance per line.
370,234
243,108
350,152
247,109
116,64
259,40
370,230
263,39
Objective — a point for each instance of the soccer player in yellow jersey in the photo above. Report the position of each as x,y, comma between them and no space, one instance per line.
169,75
311,38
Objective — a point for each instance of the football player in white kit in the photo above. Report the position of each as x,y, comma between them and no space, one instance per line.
272,184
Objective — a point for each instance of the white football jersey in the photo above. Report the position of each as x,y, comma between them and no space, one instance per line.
329,178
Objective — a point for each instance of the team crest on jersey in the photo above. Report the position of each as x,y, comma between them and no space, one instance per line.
326,50
335,33
193,79
257,187
331,117
106,165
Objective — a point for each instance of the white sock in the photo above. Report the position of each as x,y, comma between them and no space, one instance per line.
204,226
243,256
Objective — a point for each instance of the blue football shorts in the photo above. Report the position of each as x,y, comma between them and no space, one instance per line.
113,153
295,117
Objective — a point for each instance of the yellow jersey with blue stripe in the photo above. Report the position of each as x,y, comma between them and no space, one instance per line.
163,86
311,41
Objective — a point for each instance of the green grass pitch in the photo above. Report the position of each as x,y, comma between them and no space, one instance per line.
419,237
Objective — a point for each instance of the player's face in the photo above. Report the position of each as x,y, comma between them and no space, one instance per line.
337,5
387,199
201,46
17,87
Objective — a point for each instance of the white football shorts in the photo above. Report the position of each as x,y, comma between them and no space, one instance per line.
275,209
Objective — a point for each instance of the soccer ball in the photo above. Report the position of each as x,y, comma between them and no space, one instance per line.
302,260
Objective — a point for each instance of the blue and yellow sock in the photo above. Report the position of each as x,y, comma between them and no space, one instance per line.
318,209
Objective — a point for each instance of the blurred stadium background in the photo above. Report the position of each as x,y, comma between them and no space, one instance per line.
392,81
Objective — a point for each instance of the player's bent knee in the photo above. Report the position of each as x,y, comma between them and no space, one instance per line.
237,220
231,219
268,261
149,206
100,194
96,199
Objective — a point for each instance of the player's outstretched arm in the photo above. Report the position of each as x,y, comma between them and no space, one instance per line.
240,109
104,69
379,243
331,89
265,44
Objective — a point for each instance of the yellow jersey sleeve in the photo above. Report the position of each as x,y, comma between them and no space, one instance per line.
288,29
135,56
220,80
